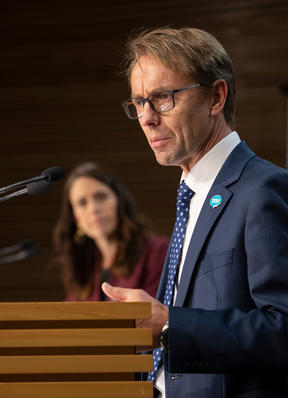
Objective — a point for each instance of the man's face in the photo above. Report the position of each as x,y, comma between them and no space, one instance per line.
178,137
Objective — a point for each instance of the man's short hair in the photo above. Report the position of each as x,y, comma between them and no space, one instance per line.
188,51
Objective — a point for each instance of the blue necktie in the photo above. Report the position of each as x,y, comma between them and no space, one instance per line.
184,195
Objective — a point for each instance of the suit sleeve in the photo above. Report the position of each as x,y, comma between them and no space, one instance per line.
224,340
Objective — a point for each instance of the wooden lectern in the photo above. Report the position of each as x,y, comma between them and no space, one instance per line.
73,350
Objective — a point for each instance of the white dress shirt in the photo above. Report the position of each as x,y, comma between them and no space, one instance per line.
199,179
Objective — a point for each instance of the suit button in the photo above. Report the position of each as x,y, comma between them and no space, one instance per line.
175,377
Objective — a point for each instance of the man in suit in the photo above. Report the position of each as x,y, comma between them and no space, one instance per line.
221,313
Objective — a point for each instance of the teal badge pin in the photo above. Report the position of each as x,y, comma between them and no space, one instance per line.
215,201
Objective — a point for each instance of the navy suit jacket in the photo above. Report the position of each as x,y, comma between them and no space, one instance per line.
228,330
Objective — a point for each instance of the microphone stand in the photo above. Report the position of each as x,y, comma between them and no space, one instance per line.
17,251
32,189
14,194
20,183
49,175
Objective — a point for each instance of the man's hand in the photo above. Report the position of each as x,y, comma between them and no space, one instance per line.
159,311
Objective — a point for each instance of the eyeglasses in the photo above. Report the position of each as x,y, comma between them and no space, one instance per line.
160,102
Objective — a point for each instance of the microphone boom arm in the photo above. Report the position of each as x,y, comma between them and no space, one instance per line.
20,183
49,175
14,194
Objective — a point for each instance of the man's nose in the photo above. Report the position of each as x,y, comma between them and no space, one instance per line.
149,117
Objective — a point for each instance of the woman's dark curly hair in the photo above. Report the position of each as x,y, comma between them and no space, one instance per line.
78,260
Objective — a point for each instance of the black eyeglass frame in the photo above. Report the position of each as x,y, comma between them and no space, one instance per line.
144,100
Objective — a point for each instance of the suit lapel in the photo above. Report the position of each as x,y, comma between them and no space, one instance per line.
229,173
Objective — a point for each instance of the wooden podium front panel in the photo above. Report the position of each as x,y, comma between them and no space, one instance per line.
72,311
71,364
77,390
72,337
71,346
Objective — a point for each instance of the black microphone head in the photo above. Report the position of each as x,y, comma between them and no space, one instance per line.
53,173
27,244
37,187
18,252
28,247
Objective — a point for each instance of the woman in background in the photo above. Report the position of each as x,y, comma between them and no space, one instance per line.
100,237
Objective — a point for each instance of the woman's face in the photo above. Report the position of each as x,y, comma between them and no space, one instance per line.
95,207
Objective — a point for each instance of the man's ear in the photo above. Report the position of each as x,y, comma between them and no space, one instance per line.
220,91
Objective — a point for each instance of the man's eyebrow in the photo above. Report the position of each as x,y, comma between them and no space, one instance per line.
136,96
158,90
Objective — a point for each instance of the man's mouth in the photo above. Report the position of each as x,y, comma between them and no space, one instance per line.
158,142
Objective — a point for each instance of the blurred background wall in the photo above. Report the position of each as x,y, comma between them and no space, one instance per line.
60,105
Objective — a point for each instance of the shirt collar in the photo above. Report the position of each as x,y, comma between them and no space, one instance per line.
206,169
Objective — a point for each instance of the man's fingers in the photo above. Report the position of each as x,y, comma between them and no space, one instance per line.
109,291
125,294
115,293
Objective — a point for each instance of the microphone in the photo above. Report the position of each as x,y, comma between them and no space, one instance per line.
17,252
34,185
23,244
37,187
49,175
32,189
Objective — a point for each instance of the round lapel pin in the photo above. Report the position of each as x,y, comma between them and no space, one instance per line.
215,201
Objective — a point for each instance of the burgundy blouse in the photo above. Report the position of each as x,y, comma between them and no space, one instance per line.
146,274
